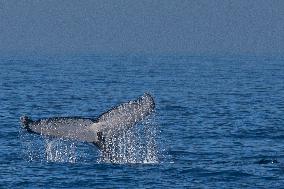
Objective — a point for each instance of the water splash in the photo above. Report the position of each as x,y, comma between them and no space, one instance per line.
58,150
31,146
135,145
44,149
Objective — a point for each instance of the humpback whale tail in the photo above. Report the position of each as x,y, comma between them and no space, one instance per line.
120,117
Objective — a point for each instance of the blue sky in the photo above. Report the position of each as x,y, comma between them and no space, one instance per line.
242,27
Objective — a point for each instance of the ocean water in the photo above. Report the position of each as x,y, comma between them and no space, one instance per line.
218,123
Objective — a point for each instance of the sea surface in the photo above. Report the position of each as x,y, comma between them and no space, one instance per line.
218,122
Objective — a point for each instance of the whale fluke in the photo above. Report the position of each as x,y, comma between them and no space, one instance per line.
94,130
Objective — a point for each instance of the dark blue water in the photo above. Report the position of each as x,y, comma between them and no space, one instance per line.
215,120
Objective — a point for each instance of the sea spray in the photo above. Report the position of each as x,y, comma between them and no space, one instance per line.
58,150
135,145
